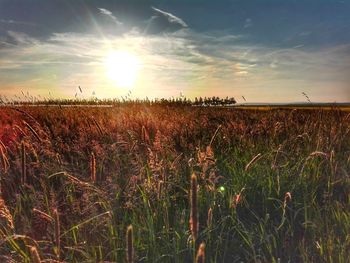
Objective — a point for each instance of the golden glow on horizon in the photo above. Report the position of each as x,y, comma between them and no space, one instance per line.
122,67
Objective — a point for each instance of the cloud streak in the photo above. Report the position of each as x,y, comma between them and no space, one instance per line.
15,22
110,15
14,38
170,17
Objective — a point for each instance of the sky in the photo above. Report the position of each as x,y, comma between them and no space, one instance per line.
266,51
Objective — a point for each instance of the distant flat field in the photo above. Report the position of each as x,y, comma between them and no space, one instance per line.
264,107
292,106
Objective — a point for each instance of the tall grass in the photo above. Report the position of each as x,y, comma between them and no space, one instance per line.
93,168
194,225
266,186
23,164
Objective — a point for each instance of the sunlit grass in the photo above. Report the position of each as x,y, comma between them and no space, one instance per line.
272,186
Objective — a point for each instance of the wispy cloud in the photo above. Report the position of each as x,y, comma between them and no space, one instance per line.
15,22
170,17
18,38
248,23
110,15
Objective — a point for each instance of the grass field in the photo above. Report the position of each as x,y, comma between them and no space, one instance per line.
164,183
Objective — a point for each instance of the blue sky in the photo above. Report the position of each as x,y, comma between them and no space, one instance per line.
267,51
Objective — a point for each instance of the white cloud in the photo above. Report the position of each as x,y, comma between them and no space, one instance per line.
21,38
110,15
171,18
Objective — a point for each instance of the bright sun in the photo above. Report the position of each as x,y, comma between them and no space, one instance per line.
122,67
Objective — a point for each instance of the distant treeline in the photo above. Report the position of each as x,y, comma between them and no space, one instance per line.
180,101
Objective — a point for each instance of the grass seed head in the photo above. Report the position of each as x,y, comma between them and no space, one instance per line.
194,208
200,258
5,161
288,197
236,200
6,219
130,244
34,254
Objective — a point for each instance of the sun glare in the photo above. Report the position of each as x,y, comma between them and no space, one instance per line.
122,68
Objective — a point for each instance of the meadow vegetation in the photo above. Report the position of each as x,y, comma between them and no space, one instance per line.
167,183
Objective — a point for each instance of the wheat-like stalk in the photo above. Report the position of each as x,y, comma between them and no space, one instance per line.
23,163
93,168
71,178
6,219
160,189
26,114
43,215
57,232
130,244
210,217
5,161
200,258
214,136
36,135
256,157
287,198
3,145
100,131
34,254
194,209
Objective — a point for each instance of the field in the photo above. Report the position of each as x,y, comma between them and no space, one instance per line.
131,184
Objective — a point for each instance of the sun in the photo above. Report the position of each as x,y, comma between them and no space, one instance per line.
122,68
